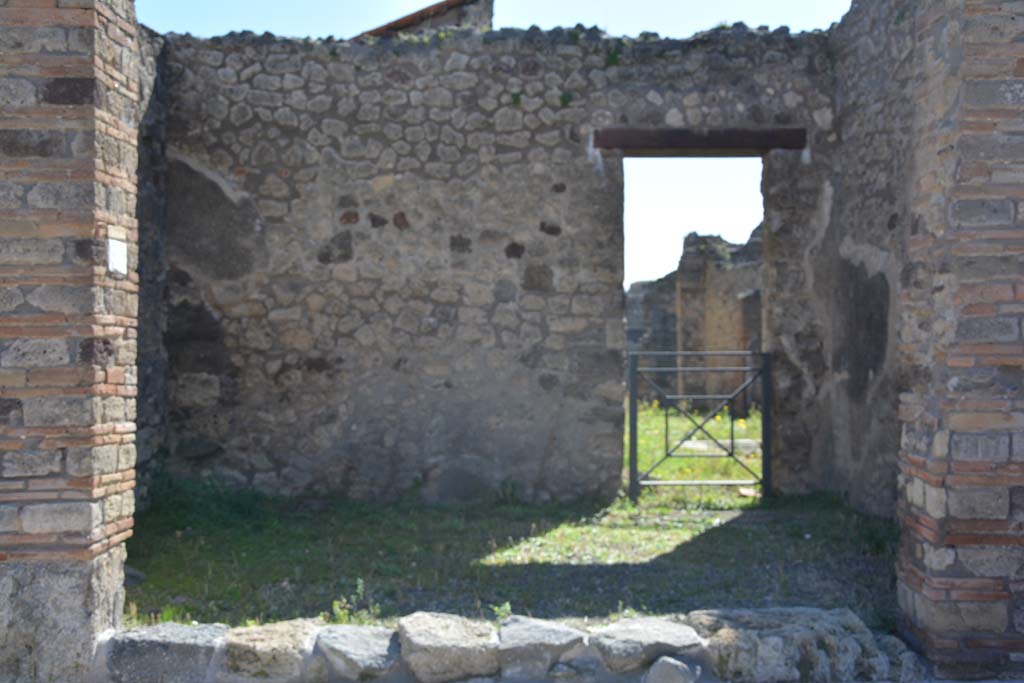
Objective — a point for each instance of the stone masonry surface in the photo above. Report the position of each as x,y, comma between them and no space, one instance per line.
743,646
396,266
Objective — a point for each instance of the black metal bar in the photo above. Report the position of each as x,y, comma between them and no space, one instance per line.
634,478
700,397
701,371
665,411
685,354
732,432
766,425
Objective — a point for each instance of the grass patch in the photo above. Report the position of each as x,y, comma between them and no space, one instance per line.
213,555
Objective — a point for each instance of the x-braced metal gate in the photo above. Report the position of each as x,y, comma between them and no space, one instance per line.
749,366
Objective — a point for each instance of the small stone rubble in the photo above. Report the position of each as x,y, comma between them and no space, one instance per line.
744,646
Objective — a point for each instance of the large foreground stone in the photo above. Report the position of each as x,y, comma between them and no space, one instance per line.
169,653
669,670
52,612
904,664
528,647
275,653
790,644
443,647
633,643
358,652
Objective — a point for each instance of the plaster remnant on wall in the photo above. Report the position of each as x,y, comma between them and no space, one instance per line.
875,259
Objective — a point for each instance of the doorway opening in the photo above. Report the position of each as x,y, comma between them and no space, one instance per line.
697,382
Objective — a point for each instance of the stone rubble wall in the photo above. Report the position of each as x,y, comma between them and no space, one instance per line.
861,255
743,646
396,266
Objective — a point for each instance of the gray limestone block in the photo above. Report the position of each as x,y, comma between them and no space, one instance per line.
441,647
904,665
169,653
633,643
358,652
528,647
34,353
273,653
669,670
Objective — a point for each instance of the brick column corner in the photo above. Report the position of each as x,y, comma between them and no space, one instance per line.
68,309
961,567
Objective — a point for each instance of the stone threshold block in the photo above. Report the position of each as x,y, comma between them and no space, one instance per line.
744,646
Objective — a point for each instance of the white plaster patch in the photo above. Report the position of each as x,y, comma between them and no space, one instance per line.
117,256
594,155
873,259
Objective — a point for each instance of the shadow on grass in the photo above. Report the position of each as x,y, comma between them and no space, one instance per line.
213,555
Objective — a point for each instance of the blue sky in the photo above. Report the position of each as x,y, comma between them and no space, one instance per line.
665,198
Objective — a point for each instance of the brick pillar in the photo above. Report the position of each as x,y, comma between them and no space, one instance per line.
961,568
67,328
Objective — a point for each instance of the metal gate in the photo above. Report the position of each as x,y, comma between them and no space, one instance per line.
648,367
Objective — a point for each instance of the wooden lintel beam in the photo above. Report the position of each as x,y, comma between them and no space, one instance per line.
673,142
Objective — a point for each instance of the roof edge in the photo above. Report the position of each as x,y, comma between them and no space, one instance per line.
415,18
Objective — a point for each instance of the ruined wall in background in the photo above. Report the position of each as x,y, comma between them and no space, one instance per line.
398,266
651,326
718,297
